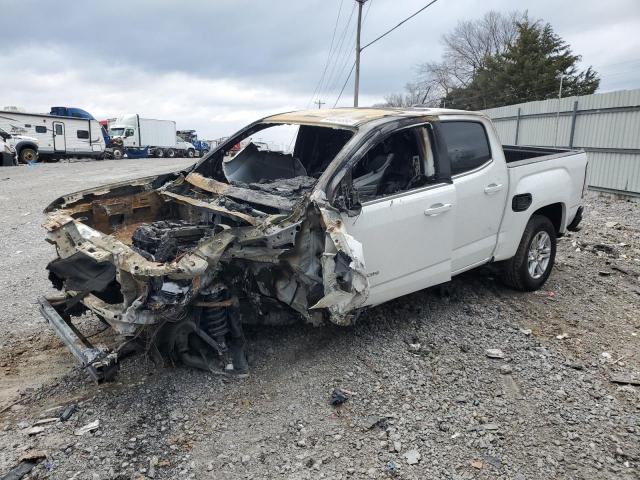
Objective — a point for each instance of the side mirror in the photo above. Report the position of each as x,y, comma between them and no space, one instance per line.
5,135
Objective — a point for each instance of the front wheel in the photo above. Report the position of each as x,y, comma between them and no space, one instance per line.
28,155
531,266
117,153
191,153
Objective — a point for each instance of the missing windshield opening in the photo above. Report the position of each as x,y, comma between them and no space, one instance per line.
275,152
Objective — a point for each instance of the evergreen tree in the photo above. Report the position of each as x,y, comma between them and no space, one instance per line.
530,69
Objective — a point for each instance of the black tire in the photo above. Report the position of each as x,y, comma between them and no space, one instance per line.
516,272
159,152
117,153
28,155
191,153
170,153
204,152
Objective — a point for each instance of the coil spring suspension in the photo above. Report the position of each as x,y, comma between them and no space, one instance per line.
214,320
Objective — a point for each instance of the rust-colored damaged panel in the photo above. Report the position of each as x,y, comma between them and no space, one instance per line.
246,194
210,206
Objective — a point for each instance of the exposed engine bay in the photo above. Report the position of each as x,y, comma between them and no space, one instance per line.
176,264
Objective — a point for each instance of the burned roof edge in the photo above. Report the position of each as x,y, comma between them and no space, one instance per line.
354,117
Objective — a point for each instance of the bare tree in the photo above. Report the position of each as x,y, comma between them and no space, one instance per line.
417,93
467,48
472,41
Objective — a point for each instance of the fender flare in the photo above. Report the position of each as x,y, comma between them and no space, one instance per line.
26,144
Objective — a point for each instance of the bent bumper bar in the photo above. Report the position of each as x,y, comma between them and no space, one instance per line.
101,364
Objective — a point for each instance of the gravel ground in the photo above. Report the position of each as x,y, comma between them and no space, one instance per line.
425,400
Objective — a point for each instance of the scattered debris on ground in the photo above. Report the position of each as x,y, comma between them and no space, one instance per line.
339,396
89,427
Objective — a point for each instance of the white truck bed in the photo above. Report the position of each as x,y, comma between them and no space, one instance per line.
551,176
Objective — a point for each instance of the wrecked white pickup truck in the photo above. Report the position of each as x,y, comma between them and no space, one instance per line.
370,205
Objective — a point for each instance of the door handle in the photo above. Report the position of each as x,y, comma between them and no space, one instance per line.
437,209
492,188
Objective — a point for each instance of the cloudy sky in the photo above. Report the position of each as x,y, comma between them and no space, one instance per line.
217,65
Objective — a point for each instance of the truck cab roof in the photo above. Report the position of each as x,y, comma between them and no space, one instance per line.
355,117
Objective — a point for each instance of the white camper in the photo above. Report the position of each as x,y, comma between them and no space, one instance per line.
57,136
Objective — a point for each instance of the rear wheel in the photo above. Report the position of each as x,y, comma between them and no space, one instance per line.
28,155
171,153
531,266
159,152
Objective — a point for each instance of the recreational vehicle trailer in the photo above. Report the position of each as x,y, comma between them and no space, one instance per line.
57,136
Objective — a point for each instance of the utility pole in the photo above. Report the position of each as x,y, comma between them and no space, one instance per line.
319,103
356,86
555,141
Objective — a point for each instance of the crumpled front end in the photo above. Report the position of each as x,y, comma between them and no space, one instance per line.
175,265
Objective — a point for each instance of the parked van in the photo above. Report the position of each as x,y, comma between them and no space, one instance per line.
53,136
25,148
7,152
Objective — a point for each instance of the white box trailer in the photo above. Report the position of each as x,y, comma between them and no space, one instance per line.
136,132
56,136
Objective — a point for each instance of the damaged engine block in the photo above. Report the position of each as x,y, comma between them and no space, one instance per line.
163,240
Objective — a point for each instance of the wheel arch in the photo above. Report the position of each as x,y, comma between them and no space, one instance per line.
556,213
22,145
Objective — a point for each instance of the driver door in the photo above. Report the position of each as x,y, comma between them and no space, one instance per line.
129,137
405,227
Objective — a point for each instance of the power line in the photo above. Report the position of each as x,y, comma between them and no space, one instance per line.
345,62
344,84
359,49
367,12
347,58
335,29
342,52
403,21
326,63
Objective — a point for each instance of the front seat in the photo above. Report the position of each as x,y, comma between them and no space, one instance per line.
367,185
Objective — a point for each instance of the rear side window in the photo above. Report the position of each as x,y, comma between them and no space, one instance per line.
83,134
41,129
467,145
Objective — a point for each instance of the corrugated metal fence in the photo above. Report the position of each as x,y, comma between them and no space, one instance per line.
606,125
